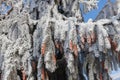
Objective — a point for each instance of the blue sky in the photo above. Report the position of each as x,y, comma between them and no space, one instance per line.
92,14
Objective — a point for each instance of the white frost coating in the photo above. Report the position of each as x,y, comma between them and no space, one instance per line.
91,25
70,63
106,41
72,67
100,38
73,34
48,63
89,5
116,25
118,6
22,37
117,39
22,42
49,50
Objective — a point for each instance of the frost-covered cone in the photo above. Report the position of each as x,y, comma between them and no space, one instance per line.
49,51
91,63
